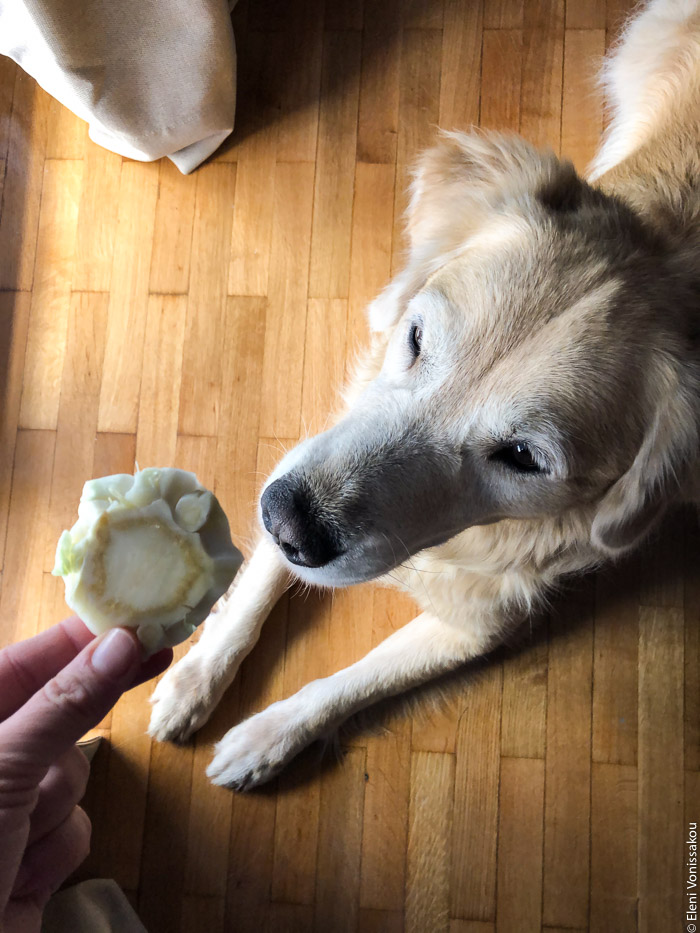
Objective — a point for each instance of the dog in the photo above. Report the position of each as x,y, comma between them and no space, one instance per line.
528,408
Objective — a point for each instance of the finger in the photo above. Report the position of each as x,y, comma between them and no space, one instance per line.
26,915
153,666
26,666
48,862
70,704
61,789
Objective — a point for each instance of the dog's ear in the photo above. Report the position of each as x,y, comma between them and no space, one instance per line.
456,186
634,504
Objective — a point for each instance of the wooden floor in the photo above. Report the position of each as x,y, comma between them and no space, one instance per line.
205,322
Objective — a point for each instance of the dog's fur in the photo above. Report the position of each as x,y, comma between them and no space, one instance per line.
554,313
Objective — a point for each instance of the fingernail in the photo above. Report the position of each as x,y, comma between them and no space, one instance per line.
115,654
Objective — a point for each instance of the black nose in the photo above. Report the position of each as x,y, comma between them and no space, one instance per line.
288,514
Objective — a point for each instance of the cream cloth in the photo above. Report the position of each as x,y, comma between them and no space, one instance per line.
153,78
98,906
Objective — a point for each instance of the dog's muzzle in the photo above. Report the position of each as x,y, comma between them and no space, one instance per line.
288,515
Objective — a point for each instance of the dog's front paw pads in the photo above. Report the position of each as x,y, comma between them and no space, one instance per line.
257,749
181,702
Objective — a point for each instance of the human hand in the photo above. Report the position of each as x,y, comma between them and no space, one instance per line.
53,689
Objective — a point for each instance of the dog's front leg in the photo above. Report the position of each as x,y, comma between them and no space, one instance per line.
258,748
187,695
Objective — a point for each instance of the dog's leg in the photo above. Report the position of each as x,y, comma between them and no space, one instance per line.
258,748
187,695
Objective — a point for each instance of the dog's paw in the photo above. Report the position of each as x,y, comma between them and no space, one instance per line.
182,702
257,749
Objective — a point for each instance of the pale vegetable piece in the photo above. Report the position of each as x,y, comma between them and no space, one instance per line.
151,551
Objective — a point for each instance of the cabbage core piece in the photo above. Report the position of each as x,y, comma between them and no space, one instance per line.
151,551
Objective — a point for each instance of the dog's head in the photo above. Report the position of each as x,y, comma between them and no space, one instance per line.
534,358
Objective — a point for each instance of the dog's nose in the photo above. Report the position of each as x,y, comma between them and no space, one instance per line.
287,515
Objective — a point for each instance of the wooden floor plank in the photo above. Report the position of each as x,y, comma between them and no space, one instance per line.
381,921
24,174
690,843
159,395
343,14
501,70
429,843
615,659
77,413
471,926
255,154
66,134
128,298
238,474
288,289
543,56
475,813
460,83
329,272
299,51
660,815
202,366
337,893
582,106
524,711
503,14
662,562
520,840
14,325
386,817
289,918
97,219
20,600
423,14
419,103
324,362
165,837
691,611
372,226
377,124
250,862
586,16
172,231
202,915
568,762
299,800
51,294
613,848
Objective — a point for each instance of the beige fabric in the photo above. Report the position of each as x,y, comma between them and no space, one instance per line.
98,906
152,77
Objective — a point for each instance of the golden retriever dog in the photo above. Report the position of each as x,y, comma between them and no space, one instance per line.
529,406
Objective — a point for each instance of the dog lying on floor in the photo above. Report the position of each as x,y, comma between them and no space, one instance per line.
529,406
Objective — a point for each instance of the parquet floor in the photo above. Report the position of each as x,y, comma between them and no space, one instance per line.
205,322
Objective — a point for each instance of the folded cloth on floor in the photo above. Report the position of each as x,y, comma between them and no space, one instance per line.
151,79
97,906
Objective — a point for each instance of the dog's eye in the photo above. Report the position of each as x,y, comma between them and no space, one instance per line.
519,457
415,339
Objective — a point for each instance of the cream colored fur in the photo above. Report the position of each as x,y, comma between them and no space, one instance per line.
608,486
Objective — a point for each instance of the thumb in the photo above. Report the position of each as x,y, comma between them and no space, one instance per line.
69,704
